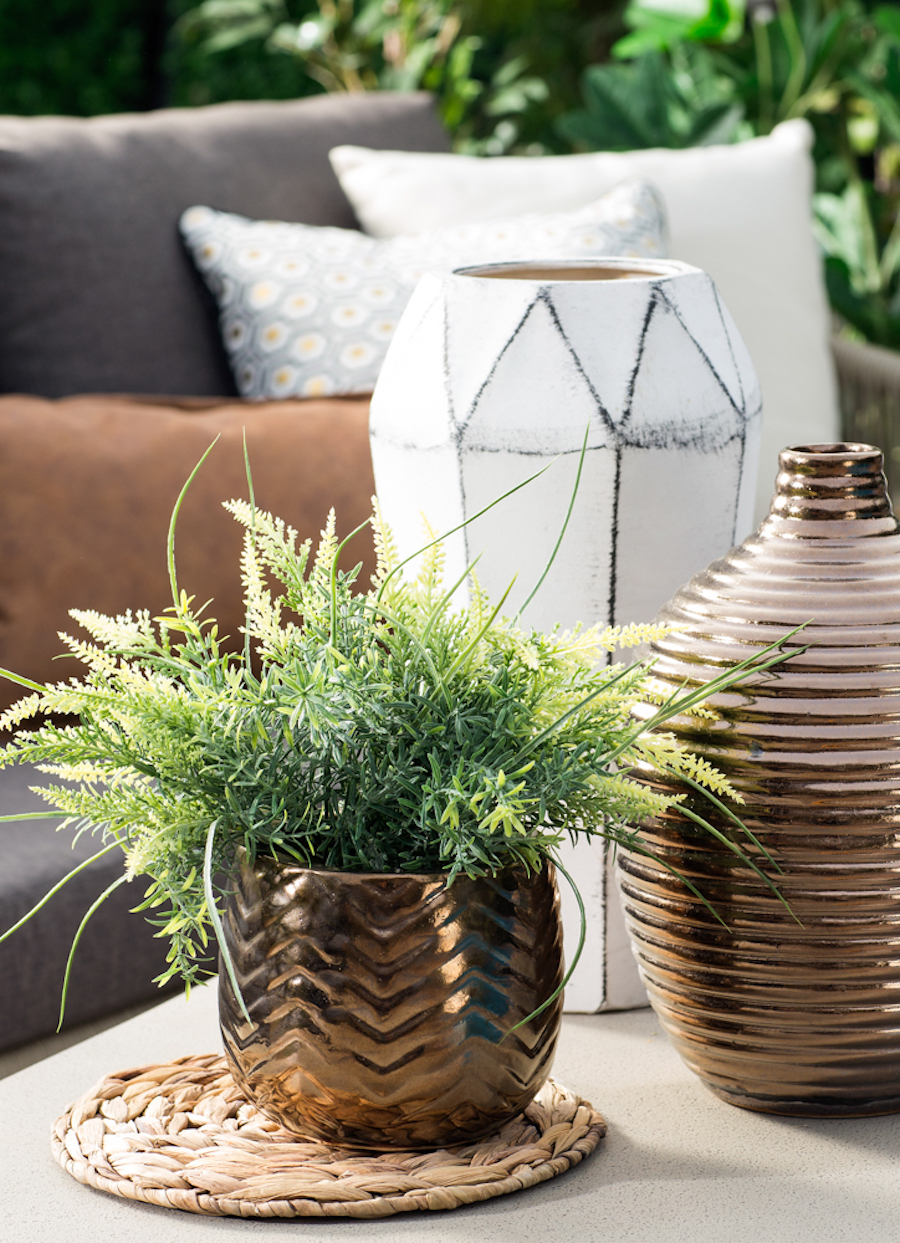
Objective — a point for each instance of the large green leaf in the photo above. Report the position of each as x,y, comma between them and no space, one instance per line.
619,114
843,227
885,102
716,123
651,31
723,22
874,316
641,104
657,28
887,19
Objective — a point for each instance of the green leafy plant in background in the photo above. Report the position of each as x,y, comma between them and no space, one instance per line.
513,66
349,45
531,54
501,71
86,57
686,73
242,70
859,231
356,45
698,71
648,103
670,73
376,731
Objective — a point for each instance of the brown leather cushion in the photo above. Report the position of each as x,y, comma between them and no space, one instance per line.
87,486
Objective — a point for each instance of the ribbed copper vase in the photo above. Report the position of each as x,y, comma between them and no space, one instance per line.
776,1015
379,1003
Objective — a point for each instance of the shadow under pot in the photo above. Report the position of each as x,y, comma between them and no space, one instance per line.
380,1004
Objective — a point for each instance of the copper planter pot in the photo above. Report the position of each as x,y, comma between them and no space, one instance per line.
379,1003
772,1015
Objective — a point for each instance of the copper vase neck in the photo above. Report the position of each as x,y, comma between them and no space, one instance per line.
831,482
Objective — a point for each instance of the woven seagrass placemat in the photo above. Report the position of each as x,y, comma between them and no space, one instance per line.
184,1136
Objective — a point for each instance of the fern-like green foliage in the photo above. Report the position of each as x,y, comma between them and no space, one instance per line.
378,731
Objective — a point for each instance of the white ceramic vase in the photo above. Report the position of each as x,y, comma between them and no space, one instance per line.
497,371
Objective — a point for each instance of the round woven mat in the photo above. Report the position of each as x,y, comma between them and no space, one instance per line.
184,1136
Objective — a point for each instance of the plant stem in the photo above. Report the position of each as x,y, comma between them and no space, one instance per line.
871,268
95,906
459,526
582,935
890,256
763,49
170,541
546,571
249,474
794,87
216,922
59,884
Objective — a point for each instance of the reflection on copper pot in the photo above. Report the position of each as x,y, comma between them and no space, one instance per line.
379,1003
774,1014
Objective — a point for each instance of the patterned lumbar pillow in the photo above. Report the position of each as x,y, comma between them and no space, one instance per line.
308,311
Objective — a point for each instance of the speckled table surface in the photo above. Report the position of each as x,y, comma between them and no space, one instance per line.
678,1166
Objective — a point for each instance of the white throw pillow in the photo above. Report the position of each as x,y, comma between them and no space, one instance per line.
742,213
308,311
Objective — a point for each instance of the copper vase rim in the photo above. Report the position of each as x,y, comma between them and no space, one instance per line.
830,451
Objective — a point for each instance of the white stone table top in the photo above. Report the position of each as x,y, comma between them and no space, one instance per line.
678,1165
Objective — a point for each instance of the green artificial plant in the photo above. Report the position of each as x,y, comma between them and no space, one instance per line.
386,730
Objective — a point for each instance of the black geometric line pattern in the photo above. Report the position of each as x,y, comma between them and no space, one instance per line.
688,385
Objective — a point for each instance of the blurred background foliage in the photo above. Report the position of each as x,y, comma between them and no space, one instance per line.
526,76
488,60
699,71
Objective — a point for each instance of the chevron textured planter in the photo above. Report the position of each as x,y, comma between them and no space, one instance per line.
378,1003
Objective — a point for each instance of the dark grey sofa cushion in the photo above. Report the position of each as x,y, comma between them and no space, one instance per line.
98,294
118,956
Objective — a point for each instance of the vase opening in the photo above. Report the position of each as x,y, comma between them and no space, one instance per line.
819,482
845,450
555,270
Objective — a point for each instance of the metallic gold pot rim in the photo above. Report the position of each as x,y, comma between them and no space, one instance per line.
298,868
